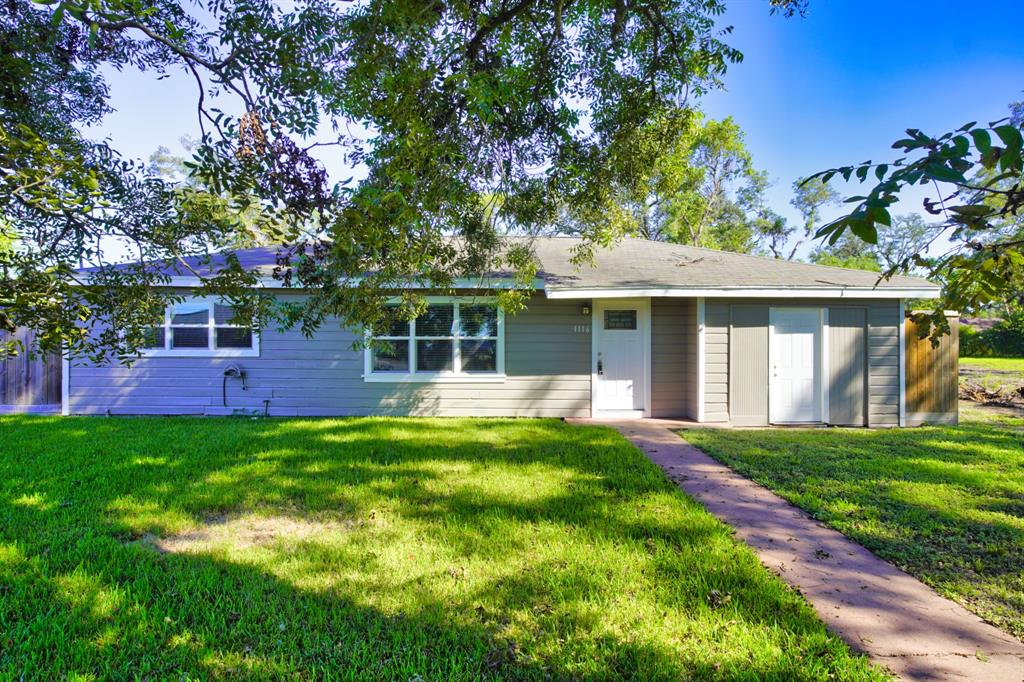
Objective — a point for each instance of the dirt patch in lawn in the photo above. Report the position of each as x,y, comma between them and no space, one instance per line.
243,532
993,388
993,409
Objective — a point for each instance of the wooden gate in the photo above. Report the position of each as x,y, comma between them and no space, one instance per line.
932,375
29,384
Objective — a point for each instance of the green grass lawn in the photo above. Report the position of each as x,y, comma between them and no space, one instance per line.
945,504
1009,365
375,549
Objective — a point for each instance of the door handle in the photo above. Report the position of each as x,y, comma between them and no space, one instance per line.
600,367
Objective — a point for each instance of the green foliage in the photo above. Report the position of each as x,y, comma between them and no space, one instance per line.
863,261
377,549
978,176
908,236
1003,339
540,104
942,503
690,180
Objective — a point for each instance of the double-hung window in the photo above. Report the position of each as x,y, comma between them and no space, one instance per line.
453,340
201,327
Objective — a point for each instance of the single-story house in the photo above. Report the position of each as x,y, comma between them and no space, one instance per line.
651,329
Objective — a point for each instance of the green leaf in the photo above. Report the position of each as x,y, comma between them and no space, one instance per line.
943,173
967,126
982,140
961,146
862,173
865,230
971,211
881,170
880,215
1010,136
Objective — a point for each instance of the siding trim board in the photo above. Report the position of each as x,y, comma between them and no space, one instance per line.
65,384
701,360
903,365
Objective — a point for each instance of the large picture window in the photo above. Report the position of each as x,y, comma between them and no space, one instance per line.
452,340
201,326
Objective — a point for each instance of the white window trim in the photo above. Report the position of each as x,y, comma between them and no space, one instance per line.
454,376
210,351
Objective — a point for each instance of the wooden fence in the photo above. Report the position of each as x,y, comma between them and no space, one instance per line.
932,375
29,384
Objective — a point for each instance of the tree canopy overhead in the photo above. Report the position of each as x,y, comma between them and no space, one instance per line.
536,104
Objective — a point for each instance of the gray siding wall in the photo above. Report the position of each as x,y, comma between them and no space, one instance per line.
847,365
884,363
882,358
748,365
716,360
547,361
673,357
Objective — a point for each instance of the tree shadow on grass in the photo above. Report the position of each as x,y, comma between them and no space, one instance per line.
546,550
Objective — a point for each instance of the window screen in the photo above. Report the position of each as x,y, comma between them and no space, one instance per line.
448,338
198,325
620,319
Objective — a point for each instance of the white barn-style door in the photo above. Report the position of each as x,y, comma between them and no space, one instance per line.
795,394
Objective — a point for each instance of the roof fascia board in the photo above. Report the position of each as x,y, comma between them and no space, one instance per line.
751,292
271,283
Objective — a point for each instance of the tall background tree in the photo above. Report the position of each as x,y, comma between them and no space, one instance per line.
457,101
691,180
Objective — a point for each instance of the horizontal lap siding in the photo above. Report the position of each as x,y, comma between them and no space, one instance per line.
547,362
716,361
673,332
884,363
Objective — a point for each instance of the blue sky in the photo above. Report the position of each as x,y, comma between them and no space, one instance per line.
841,85
836,87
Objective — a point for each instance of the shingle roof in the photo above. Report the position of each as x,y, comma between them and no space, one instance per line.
638,263
641,264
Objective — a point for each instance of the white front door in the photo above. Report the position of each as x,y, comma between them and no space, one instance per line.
620,350
795,353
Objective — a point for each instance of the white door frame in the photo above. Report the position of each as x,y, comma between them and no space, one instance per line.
643,307
821,367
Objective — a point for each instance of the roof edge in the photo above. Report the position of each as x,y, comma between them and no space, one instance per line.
748,292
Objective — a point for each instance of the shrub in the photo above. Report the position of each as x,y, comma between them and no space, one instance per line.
1004,339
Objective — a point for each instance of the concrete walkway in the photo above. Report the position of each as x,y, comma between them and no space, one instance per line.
900,622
